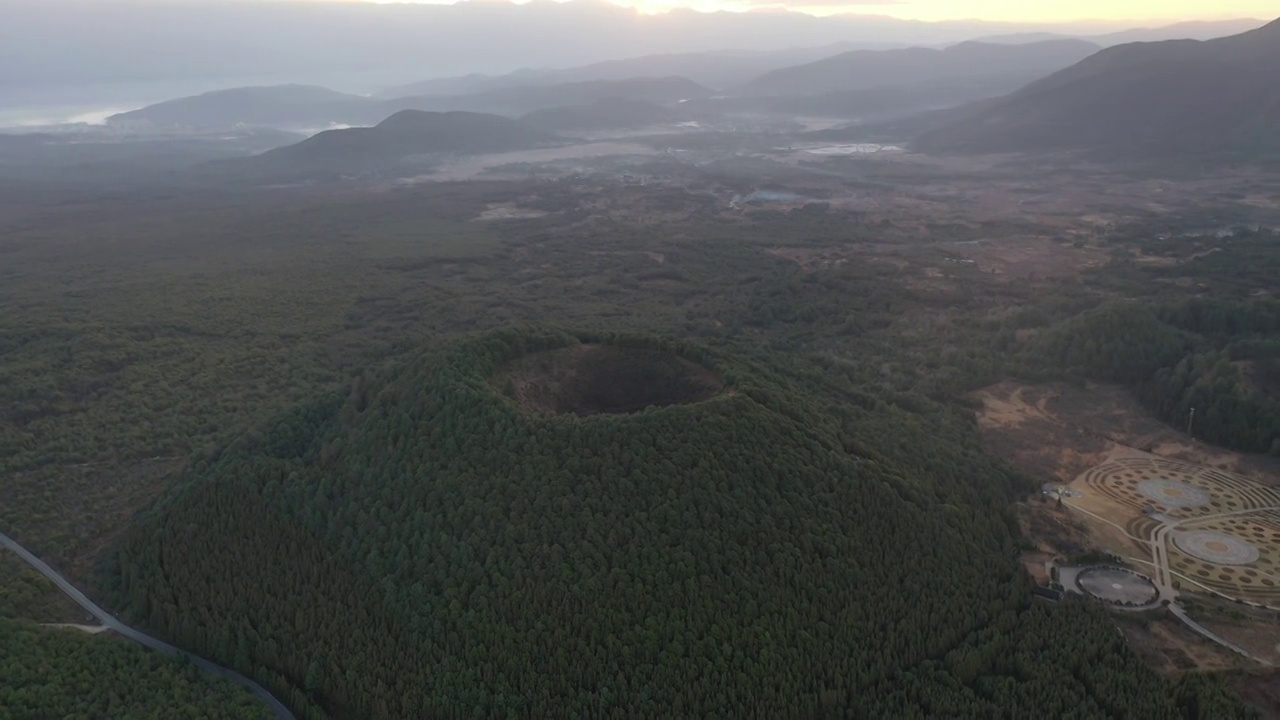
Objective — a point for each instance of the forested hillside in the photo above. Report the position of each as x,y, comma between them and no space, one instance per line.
53,673
1209,365
429,544
26,594
1180,98
1112,343
1001,67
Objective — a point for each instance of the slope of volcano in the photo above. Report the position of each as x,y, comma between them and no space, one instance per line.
427,545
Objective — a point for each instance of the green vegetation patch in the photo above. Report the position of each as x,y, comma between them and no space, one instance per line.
1211,366
1116,342
26,594
64,673
401,239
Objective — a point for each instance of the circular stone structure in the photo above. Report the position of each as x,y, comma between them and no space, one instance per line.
1172,493
1216,547
1114,585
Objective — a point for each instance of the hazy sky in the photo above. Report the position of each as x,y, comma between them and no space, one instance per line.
998,10
1066,10
126,50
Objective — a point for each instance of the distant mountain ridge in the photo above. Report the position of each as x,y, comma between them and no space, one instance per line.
302,106
1178,97
722,69
266,106
411,137
414,132
1006,65
861,85
1190,30
715,69
602,115
83,43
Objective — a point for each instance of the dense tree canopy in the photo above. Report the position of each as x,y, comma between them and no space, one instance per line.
1218,358
28,595
1114,343
423,547
1221,399
67,674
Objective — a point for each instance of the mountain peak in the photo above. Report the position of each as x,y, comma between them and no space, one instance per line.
1154,99
1000,66
427,119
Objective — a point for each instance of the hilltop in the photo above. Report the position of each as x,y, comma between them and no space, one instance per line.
407,136
974,63
279,106
1181,97
1190,30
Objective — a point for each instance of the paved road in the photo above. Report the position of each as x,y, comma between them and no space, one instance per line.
109,620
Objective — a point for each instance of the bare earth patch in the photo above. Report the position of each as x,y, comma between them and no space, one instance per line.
509,211
1260,689
471,168
1262,640
1029,258
1169,647
1055,431
91,629
811,259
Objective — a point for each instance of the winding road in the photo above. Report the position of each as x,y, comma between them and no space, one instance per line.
109,621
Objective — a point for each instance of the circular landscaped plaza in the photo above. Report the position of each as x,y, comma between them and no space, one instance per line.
1116,586
1172,493
1216,547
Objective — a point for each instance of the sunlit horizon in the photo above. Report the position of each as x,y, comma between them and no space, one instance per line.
1086,12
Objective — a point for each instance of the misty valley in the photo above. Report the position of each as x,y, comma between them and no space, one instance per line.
401,364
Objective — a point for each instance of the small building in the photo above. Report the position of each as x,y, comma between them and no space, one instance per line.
1047,593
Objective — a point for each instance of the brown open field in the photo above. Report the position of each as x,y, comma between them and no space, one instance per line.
1170,647
1055,431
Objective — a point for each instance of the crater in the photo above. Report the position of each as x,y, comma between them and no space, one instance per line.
595,379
